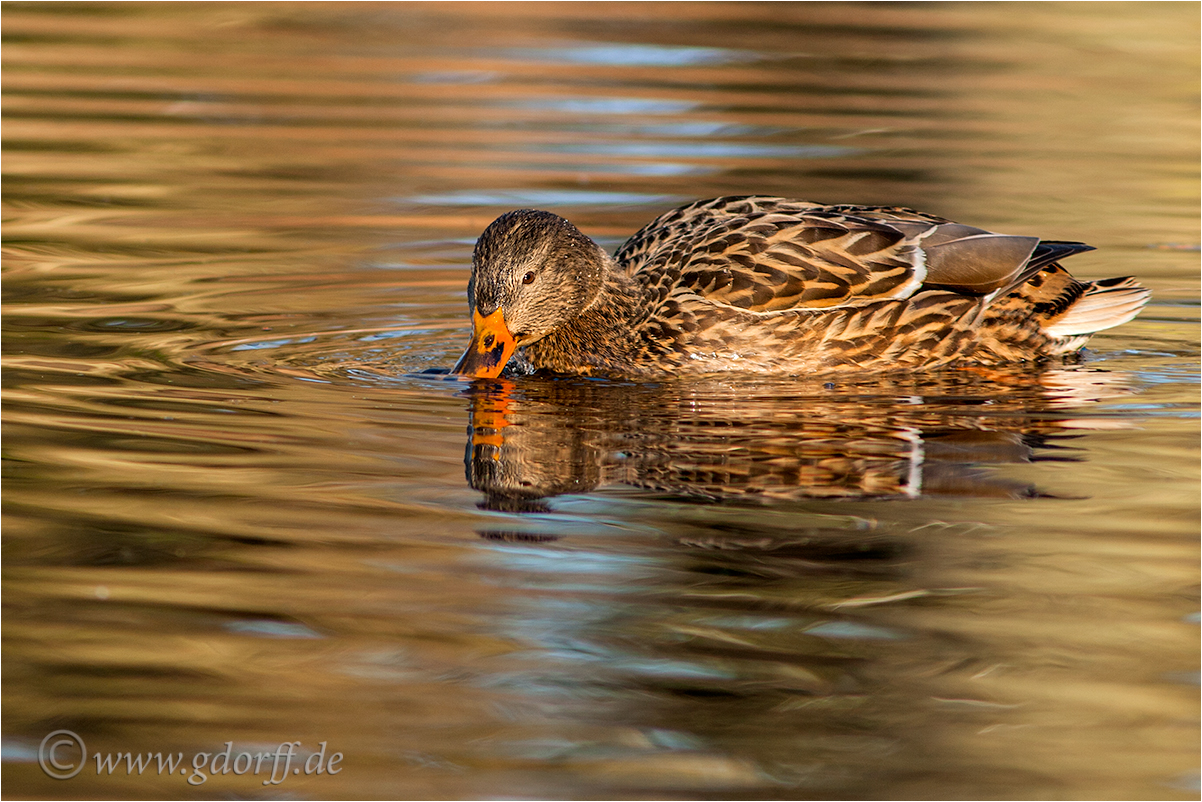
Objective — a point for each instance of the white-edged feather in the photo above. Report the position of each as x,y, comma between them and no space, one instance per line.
1098,309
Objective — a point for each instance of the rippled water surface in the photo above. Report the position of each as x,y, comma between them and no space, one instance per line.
242,506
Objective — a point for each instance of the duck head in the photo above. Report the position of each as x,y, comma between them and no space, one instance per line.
532,272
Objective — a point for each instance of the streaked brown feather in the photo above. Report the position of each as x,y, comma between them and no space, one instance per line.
772,254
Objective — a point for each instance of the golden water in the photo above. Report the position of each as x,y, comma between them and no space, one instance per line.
241,504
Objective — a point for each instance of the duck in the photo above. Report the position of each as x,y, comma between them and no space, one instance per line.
769,285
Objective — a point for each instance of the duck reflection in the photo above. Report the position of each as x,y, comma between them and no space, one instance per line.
767,441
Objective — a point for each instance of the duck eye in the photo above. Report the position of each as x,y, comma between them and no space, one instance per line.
528,278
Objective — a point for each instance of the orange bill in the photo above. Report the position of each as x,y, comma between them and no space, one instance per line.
490,349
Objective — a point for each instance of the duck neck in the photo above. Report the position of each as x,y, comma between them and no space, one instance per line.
600,335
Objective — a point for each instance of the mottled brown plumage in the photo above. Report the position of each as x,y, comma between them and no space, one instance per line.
771,285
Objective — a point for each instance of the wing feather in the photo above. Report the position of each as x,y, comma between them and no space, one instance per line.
767,254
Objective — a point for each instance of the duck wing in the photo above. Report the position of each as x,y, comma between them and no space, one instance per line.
770,254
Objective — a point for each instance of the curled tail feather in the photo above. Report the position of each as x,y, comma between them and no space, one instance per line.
1104,305
1051,313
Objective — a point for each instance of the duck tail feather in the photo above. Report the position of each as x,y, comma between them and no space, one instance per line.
1106,304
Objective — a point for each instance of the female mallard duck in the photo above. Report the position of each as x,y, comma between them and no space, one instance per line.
770,285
